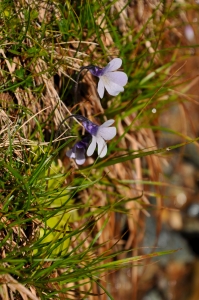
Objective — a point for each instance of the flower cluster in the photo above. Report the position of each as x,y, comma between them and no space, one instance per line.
113,81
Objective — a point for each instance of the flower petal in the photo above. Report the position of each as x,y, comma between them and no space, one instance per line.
113,65
102,147
118,77
80,161
107,133
107,123
70,153
80,156
112,88
100,88
92,146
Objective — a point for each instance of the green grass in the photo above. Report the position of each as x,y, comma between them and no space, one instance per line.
55,232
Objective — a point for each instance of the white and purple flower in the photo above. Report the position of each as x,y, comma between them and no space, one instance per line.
100,134
110,79
78,151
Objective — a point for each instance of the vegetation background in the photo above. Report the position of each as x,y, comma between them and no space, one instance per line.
114,228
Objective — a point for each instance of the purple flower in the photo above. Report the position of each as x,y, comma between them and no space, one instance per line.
78,151
100,134
112,81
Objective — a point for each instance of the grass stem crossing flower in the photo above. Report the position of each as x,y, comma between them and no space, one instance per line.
100,134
